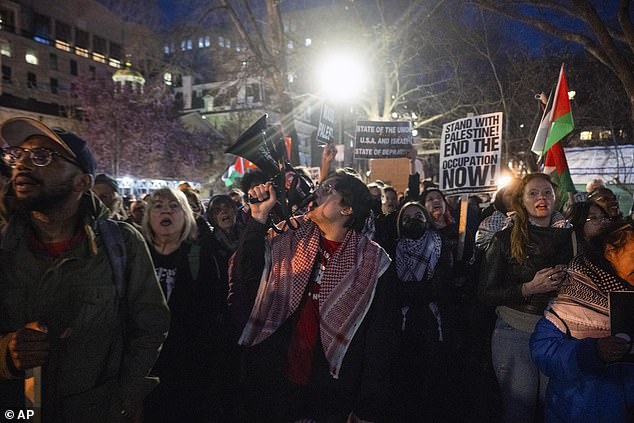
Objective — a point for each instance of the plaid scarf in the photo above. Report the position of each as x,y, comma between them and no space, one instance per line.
581,305
489,227
589,285
416,259
346,292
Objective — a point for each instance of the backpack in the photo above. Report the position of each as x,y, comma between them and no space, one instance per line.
116,252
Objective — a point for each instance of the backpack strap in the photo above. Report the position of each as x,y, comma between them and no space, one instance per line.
193,256
116,251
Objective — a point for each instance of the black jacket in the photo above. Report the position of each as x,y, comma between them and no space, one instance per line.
501,276
362,382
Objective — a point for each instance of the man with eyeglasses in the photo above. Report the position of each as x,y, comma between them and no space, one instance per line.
61,314
607,200
314,310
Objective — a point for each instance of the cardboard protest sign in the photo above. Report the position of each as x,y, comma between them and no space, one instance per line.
382,140
326,128
470,153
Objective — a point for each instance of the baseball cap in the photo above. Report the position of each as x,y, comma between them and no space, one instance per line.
102,178
16,130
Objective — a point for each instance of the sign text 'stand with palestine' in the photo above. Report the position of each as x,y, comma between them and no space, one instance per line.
470,154
382,140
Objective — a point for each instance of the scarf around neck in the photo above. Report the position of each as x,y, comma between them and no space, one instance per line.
347,287
416,259
589,285
582,302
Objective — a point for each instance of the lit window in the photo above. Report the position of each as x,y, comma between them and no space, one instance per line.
62,45
308,42
166,49
167,78
114,63
207,40
585,136
31,58
605,135
183,45
201,42
189,44
98,57
221,41
81,52
227,43
42,40
5,49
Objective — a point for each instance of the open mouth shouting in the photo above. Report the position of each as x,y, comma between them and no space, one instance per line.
542,207
225,219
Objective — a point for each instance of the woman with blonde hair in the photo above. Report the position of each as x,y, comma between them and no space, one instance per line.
189,364
520,271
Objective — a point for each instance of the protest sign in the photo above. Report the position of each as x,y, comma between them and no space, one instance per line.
382,140
470,154
326,128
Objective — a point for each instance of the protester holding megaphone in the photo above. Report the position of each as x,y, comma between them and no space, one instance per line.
314,312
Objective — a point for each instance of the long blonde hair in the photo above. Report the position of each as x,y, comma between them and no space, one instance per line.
519,233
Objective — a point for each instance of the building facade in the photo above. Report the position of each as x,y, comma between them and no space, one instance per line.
46,45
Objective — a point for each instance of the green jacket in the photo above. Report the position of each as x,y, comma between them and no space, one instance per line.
102,367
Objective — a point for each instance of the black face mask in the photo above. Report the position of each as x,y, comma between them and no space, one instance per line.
413,229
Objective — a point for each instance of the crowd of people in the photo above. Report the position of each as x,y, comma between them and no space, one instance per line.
373,306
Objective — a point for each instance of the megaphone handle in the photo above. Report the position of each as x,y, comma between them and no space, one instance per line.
253,200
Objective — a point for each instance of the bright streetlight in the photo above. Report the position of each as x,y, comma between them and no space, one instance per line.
341,77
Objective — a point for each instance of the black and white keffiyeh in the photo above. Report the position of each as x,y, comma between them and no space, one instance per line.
589,285
416,259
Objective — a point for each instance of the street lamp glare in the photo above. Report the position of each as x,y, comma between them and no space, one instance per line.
341,77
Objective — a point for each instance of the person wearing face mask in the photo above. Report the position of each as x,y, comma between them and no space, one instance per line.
521,270
418,385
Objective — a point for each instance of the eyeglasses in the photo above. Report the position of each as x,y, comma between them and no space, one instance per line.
39,156
325,189
598,196
601,220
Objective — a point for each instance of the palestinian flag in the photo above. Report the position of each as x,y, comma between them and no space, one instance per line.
236,170
558,122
